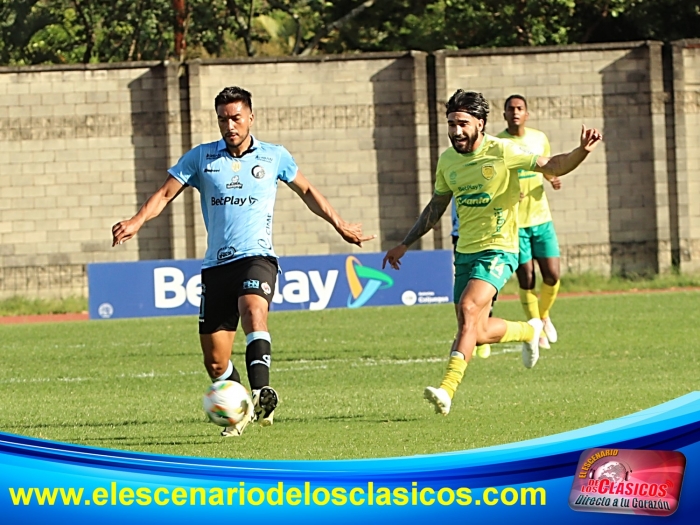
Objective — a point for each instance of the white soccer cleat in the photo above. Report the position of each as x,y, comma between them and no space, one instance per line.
265,401
439,398
237,429
531,350
544,343
549,330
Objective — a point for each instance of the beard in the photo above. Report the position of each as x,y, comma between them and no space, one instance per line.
236,140
466,145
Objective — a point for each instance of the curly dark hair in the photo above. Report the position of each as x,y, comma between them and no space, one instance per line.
469,102
234,94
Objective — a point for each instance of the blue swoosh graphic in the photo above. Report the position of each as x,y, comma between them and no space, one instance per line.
367,292
549,462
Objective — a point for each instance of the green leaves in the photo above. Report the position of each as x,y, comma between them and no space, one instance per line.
68,31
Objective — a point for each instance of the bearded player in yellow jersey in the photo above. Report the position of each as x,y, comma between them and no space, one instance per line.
538,240
480,171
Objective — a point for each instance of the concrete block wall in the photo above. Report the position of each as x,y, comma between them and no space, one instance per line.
606,213
81,147
686,98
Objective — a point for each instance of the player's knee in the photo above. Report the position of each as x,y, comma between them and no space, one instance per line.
551,278
255,318
469,312
214,368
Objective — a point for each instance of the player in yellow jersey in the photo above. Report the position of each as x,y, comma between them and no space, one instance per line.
538,240
479,172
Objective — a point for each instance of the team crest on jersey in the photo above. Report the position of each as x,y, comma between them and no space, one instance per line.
453,177
258,172
234,184
236,166
488,171
266,288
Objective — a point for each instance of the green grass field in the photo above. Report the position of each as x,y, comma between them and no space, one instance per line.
351,381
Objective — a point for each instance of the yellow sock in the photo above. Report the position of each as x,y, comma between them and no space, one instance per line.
517,331
548,295
453,375
528,300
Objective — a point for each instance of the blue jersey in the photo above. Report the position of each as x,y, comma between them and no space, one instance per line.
237,194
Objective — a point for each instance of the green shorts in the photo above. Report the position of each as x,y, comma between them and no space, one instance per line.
539,242
493,266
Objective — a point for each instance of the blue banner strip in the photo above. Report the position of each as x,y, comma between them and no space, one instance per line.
548,463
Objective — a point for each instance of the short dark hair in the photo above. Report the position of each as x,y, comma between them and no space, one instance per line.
234,94
505,106
470,102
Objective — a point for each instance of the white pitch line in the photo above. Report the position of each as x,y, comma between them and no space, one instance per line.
308,364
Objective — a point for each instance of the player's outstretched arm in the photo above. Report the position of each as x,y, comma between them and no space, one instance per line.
428,218
318,204
564,163
156,203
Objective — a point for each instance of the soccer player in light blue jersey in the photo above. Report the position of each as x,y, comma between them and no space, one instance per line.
237,178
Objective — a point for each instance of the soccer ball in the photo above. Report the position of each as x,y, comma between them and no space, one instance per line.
227,403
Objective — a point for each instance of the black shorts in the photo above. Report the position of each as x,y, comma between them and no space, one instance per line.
223,285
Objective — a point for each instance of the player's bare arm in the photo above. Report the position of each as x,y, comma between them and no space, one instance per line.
156,203
564,163
428,218
318,204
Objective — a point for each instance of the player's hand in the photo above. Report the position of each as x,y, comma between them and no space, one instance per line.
555,182
352,233
393,256
590,138
124,230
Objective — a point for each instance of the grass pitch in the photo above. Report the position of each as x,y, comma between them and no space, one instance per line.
351,381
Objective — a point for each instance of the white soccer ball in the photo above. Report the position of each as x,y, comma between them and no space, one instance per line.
227,403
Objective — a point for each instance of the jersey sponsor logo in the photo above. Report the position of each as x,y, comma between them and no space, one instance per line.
233,201
265,287
263,158
474,200
235,183
251,284
214,156
236,165
258,172
488,171
453,177
210,169
265,244
252,200
225,253
470,187
500,220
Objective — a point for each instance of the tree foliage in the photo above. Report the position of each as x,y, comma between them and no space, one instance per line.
71,31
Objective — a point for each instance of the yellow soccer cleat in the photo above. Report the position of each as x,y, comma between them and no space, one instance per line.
483,351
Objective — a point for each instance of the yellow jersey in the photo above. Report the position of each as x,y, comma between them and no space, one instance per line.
486,191
534,208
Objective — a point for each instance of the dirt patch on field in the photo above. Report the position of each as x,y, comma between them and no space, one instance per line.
43,318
